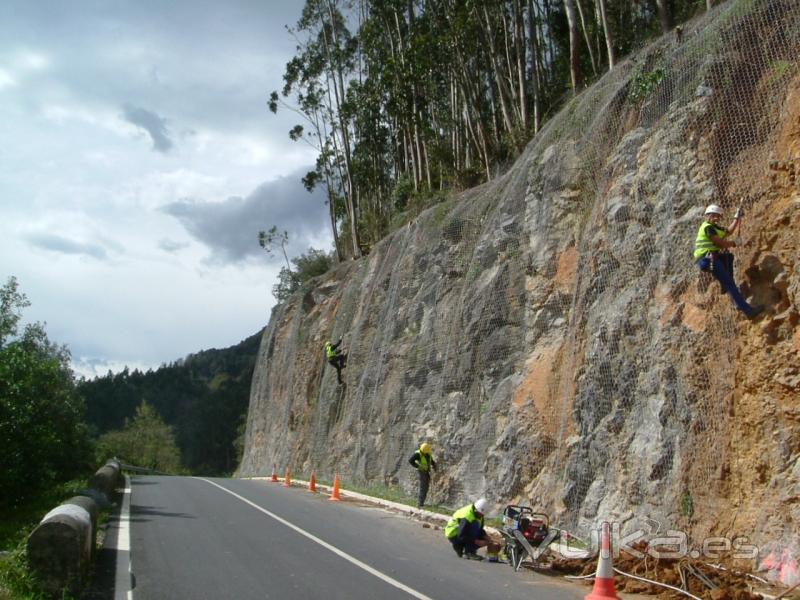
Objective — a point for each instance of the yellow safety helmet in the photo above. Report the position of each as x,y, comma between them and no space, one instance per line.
425,448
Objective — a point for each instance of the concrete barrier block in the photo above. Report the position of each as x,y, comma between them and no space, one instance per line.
61,548
107,478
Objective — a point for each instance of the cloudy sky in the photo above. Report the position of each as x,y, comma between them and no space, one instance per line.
138,163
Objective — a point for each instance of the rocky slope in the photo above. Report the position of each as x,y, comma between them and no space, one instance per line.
548,331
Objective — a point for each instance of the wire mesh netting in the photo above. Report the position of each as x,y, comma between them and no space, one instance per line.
541,330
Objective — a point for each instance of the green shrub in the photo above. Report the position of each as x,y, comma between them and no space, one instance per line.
145,442
643,83
45,439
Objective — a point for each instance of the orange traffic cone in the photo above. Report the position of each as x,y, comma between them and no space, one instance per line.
287,481
335,493
604,588
274,477
312,485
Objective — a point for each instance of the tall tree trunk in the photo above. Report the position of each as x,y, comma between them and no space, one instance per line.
586,36
519,48
498,71
607,32
549,37
574,41
454,141
709,4
426,158
663,15
510,72
533,42
320,130
414,97
332,212
338,89
417,147
476,129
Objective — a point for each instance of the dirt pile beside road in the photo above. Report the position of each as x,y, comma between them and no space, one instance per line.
721,580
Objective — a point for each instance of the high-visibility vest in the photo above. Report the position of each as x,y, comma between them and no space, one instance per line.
468,513
330,352
703,244
423,464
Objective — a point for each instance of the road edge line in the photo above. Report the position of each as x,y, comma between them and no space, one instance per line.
123,590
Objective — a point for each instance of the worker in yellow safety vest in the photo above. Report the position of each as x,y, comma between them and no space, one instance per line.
712,256
422,461
336,358
465,532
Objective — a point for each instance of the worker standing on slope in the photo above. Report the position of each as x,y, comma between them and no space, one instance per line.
336,358
422,461
465,532
711,255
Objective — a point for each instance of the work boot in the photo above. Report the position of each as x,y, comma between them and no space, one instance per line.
756,312
459,550
472,556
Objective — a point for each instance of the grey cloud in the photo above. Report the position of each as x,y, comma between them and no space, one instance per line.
171,246
56,243
153,124
230,228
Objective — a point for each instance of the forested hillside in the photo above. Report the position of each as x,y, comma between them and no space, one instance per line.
406,99
204,397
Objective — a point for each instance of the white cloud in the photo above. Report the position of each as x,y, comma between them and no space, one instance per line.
6,79
86,91
30,60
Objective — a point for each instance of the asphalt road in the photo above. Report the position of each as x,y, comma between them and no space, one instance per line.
195,538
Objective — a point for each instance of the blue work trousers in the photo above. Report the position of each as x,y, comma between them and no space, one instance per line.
721,267
467,538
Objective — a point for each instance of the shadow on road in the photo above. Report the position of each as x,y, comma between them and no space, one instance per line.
138,512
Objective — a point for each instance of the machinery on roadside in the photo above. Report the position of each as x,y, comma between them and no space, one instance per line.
526,534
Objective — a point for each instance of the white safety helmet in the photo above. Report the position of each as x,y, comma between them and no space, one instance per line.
713,209
480,505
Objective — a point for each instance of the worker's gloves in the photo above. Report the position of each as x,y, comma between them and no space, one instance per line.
739,213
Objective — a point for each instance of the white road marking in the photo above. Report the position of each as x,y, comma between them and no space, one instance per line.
334,549
122,582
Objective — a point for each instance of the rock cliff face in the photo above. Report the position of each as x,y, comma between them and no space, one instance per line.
548,331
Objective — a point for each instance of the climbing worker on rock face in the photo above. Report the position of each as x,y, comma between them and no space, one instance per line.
422,461
465,532
336,358
712,256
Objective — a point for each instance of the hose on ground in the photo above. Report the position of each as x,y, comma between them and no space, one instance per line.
666,585
624,574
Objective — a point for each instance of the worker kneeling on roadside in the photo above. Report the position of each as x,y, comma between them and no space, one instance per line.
465,532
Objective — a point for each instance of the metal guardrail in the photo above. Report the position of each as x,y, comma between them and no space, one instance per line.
145,470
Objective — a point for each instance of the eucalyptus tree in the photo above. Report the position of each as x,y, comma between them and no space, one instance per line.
317,76
428,94
601,5
574,50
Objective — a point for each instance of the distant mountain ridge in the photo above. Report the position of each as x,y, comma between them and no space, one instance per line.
203,396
